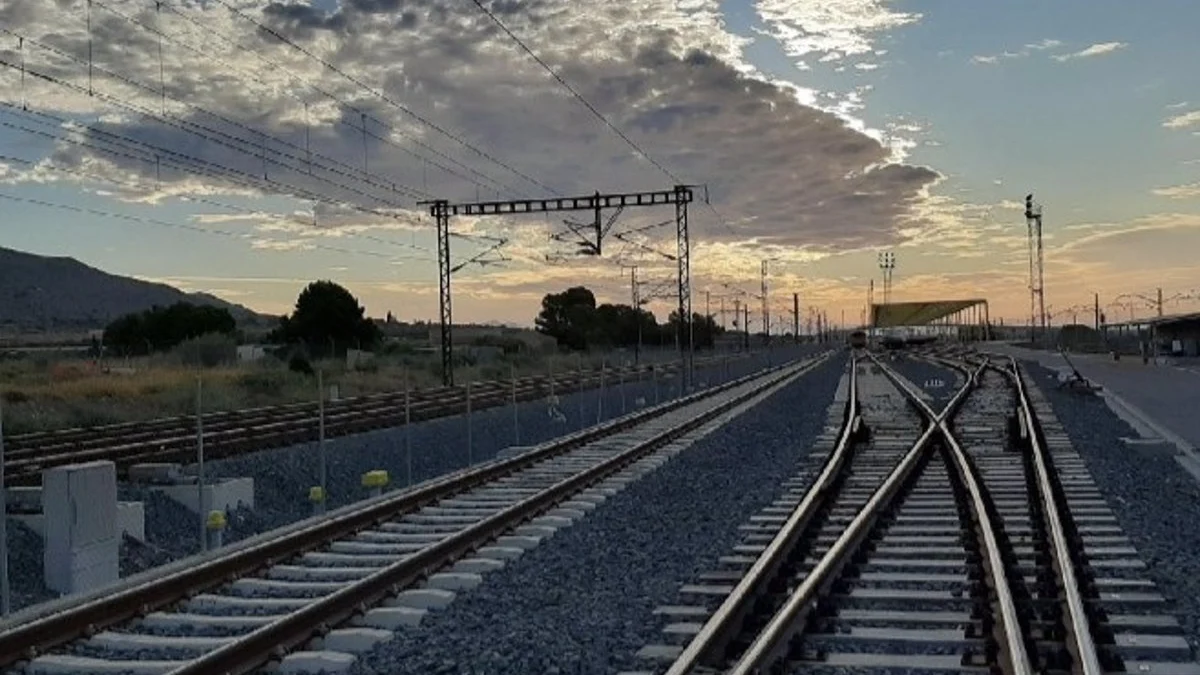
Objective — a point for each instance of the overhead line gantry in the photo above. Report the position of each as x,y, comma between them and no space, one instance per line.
679,196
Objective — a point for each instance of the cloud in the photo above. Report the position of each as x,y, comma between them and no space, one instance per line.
835,29
1094,50
1025,51
1183,121
1188,191
841,35
670,78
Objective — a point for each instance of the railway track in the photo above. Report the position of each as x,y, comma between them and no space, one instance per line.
250,430
375,566
970,539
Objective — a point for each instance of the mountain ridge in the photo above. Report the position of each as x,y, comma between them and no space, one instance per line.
61,292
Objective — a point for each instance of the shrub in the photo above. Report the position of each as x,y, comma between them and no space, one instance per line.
262,382
208,350
300,364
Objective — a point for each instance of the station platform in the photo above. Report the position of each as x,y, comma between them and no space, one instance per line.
1166,396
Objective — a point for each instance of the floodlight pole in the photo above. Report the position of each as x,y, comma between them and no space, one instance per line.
1037,288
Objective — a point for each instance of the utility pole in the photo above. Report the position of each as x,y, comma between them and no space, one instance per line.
746,323
766,312
796,316
636,298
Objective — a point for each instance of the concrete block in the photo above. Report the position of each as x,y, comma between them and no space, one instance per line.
82,538
224,494
131,520
156,473
23,499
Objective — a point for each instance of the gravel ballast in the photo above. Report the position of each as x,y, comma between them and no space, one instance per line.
939,382
583,601
1156,501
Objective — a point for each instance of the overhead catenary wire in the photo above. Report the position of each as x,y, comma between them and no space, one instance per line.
594,111
579,97
84,210
382,96
128,147
254,148
106,178
276,67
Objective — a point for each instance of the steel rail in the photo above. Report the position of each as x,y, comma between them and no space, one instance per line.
568,381
1084,646
1014,641
248,652
773,641
726,620
256,429
39,634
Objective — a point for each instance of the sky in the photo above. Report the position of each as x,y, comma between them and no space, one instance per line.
246,148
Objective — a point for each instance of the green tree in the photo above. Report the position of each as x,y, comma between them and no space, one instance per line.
161,328
328,318
568,317
704,330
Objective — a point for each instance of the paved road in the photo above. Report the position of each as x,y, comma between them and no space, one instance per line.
1167,394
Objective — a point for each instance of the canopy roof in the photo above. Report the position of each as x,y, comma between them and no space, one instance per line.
1159,320
917,313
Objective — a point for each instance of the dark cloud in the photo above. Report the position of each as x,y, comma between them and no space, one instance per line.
300,21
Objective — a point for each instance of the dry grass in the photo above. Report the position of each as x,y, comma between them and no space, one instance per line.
44,393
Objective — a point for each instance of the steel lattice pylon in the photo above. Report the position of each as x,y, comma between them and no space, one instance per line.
442,210
442,215
683,195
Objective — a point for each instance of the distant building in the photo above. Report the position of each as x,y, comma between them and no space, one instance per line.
250,353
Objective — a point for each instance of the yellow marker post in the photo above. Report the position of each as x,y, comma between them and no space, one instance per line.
375,481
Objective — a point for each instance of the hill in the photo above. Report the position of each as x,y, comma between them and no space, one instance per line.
59,293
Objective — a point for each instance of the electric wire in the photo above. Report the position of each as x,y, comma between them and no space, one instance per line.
384,97
107,178
257,151
595,112
159,155
275,67
84,210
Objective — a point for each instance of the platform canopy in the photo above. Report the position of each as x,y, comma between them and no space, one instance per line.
918,313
